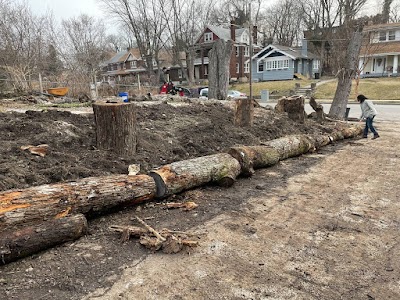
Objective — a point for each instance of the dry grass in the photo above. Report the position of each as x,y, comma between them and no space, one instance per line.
373,88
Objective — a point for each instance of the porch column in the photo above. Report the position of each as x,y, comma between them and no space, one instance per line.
395,63
361,66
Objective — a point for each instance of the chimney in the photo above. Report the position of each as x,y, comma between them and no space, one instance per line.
255,40
233,31
304,48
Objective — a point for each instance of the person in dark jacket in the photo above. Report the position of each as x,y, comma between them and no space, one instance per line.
368,113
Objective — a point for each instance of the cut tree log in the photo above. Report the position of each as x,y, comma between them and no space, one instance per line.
254,157
183,175
292,145
15,244
293,106
87,196
116,127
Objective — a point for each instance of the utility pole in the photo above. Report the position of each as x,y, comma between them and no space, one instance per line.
251,53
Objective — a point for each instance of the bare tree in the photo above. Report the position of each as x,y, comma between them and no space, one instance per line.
146,23
23,42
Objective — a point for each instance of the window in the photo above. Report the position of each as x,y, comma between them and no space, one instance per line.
208,37
261,66
246,67
237,50
316,64
392,35
246,51
180,73
277,64
382,36
237,68
133,64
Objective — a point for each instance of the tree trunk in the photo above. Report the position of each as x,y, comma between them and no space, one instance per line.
32,239
218,70
183,175
254,157
244,113
93,195
293,106
345,77
116,127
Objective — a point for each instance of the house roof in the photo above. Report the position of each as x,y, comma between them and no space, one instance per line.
123,56
223,32
385,26
292,52
380,48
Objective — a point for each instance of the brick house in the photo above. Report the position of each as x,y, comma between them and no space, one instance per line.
379,55
239,65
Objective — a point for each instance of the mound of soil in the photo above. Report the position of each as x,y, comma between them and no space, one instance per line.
166,133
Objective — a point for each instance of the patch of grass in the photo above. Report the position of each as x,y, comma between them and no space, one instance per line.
68,105
280,88
374,88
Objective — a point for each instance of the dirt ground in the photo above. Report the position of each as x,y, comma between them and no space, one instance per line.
321,226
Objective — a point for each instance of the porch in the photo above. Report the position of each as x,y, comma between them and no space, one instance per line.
379,66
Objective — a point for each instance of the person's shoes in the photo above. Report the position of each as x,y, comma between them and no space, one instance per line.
375,136
365,137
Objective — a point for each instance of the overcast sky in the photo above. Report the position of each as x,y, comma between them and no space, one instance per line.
66,8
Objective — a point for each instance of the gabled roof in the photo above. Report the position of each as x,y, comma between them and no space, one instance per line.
123,56
292,52
223,32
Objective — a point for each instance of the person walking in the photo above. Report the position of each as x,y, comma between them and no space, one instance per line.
368,113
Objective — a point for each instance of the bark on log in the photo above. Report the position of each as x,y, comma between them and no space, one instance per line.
183,175
254,157
32,239
293,106
88,195
116,127
290,146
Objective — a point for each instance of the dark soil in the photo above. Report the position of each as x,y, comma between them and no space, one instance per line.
166,134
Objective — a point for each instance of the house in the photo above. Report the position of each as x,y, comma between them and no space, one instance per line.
276,62
239,65
379,55
125,66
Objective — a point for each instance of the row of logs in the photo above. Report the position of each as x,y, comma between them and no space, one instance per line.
40,217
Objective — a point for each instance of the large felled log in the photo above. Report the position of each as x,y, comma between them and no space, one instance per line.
183,175
293,106
254,157
88,195
116,127
32,239
290,146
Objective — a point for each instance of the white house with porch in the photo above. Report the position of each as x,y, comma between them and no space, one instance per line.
379,55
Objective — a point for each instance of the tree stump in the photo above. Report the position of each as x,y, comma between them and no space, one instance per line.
293,106
319,109
116,127
244,115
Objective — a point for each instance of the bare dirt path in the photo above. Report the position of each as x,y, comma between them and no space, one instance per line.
322,226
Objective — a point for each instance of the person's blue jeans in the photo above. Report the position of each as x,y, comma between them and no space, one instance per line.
369,126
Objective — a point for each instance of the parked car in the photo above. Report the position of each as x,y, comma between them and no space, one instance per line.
186,91
233,94
203,94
